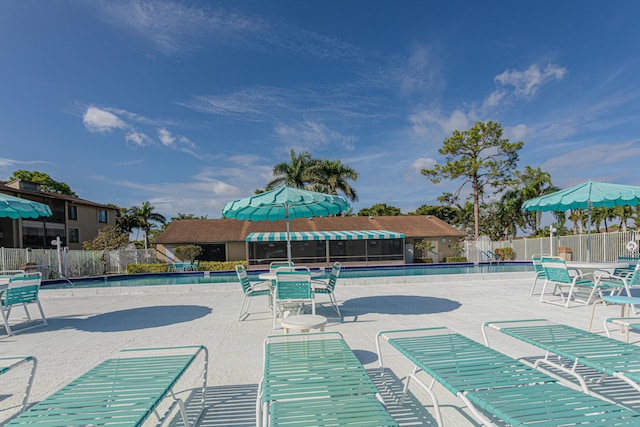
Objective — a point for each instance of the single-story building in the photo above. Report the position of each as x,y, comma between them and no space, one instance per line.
351,240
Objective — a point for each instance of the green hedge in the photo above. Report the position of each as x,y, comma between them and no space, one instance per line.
146,268
219,265
202,266
456,259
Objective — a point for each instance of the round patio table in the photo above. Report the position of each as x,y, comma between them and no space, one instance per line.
304,322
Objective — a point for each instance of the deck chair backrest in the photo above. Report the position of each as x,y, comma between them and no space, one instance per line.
333,279
274,266
556,269
537,264
243,278
634,280
22,289
293,284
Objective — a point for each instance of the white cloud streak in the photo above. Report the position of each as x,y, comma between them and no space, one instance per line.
309,134
105,120
177,29
522,84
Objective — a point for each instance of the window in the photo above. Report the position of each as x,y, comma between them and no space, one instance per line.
74,235
72,212
102,215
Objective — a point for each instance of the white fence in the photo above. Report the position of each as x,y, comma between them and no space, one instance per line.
75,263
605,247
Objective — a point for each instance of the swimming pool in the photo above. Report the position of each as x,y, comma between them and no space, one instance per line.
199,277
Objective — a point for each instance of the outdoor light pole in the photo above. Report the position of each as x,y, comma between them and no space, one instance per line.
551,231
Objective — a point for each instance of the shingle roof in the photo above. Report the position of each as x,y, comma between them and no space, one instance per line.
232,230
20,192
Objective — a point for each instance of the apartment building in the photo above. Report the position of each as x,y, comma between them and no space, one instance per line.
74,220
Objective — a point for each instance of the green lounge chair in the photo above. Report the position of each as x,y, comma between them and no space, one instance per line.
626,323
305,373
22,290
9,363
123,391
608,356
492,384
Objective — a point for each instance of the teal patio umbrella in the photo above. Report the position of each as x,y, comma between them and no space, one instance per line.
285,203
15,207
587,195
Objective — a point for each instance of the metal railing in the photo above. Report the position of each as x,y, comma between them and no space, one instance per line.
605,247
75,263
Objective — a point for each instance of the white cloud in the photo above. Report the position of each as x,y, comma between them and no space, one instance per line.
591,157
421,71
428,123
422,163
516,133
13,163
166,137
99,120
525,83
138,138
522,84
309,134
175,29
106,119
494,99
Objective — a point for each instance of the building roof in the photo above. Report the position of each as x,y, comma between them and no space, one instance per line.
231,230
21,192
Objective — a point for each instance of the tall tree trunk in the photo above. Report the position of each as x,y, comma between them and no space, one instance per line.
476,208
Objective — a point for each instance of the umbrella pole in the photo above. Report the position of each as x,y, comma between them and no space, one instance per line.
589,233
286,218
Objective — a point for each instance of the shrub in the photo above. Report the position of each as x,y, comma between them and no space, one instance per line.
146,268
456,259
219,265
188,252
202,266
506,254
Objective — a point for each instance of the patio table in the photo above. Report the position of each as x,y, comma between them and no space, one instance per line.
593,266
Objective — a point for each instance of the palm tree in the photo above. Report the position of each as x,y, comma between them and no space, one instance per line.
145,219
297,173
334,175
624,213
126,220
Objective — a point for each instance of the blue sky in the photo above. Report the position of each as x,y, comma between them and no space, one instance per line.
190,104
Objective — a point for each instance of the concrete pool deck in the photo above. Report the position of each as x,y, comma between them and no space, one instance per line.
88,326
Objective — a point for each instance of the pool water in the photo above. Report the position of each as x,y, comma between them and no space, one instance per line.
194,278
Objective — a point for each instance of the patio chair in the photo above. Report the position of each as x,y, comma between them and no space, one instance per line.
539,270
250,291
125,390
22,290
293,289
607,356
328,287
9,363
557,273
624,280
312,377
492,384
275,265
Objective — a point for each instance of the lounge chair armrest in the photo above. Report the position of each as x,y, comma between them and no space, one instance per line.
261,286
609,277
574,271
